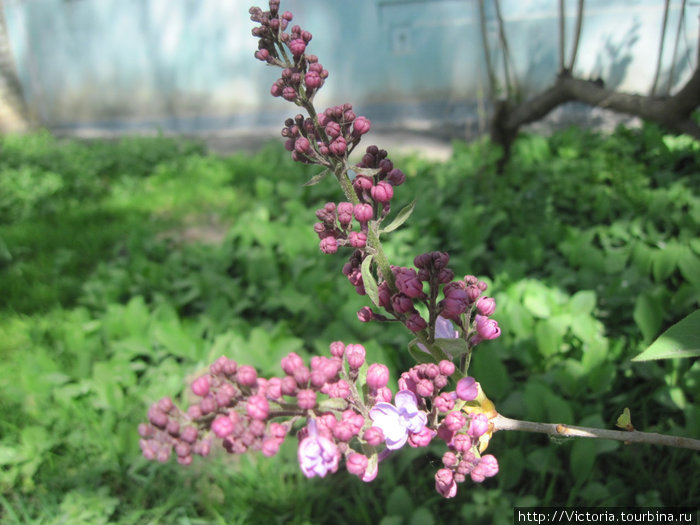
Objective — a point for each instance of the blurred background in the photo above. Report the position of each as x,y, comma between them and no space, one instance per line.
99,68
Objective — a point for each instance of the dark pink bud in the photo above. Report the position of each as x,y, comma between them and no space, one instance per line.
384,394
445,276
340,389
373,436
416,323
355,355
356,464
461,443
377,376
361,125
384,295
288,93
297,47
338,146
401,303
270,446
313,80
473,292
357,239
302,375
364,314
257,407
201,385
302,145
274,388
333,129
486,306
396,177
363,213
207,405
329,245
382,192
262,54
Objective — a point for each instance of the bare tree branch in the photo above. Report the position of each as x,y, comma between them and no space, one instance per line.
577,35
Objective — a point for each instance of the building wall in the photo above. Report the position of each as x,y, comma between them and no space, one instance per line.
187,65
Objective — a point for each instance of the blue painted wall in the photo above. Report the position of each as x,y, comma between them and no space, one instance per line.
187,65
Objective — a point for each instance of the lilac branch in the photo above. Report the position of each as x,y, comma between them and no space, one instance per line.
559,430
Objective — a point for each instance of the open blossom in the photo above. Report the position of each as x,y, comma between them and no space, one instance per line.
317,455
396,422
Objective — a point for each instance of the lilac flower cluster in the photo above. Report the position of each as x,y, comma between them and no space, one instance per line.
335,228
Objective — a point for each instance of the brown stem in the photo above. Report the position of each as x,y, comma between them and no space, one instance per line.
558,430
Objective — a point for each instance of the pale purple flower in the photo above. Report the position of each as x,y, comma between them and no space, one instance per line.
396,422
317,455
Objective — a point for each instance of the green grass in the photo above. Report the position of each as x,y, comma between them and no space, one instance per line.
127,267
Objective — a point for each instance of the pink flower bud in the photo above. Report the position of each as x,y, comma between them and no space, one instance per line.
297,47
401,303
306,399
343,431
486,306
455,421
449,459
445,483
270,446
361,125
382,192
291,362
478,426
289,386
222,426
246,376
337,348
356,464
384,394
444,402
363,213
422,438
313,80
487,467
424,388
396,177
355,355
377,376
467,389
447,368
201,385
487,328
373,436
332,129
257,407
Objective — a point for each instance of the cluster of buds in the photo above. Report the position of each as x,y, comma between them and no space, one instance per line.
334,133
335,228
344,412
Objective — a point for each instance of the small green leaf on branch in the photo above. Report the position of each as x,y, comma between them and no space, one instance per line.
681,340
368,172
417,354
317,178
400,218
453,347
368,280
625,420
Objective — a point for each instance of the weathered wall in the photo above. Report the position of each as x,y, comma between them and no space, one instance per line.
187,65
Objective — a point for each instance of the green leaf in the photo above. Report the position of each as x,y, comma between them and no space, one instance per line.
400,218
625,420
369,281
368,172
647,314
453,347
317,178
417,354
681,340
582,302
664,262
